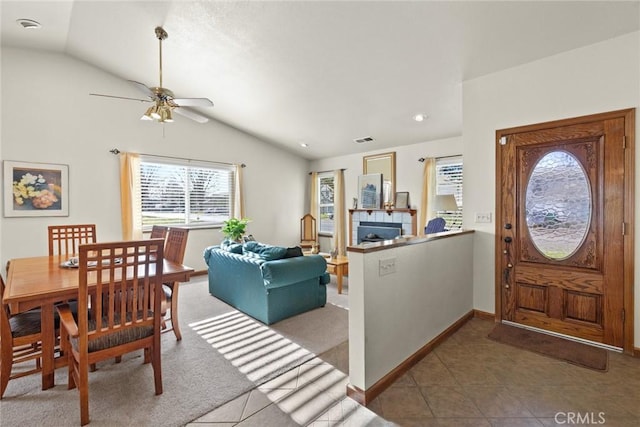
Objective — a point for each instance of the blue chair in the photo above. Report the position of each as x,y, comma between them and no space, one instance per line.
435,225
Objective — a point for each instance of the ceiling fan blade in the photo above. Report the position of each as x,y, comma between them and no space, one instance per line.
121,97
193,102
191,114
144,89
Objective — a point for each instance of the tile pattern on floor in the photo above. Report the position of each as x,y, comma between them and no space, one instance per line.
469,380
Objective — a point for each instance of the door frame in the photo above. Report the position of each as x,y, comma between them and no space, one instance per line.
629,182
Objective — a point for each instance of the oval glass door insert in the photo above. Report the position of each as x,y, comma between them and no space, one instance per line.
558,205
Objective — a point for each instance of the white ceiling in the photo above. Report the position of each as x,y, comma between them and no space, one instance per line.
318,72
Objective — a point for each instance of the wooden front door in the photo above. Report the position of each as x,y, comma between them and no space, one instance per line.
564,226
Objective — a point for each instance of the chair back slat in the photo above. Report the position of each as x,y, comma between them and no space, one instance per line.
176,244
66,239
127,278
158,232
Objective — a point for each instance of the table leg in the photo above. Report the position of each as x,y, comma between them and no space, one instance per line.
339,273
48,345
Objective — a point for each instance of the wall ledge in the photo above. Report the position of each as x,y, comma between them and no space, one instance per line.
404,241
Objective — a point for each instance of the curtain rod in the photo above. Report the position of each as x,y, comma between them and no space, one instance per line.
343,169
116,152
422,159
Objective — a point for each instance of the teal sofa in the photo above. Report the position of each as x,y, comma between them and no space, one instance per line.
261,282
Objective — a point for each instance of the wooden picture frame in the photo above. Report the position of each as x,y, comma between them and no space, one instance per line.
35,189
402,200
370,191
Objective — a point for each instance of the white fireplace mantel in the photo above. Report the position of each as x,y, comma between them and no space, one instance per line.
408,218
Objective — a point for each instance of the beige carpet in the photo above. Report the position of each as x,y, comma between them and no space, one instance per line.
214,363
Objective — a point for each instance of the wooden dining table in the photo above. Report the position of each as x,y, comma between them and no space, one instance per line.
44,281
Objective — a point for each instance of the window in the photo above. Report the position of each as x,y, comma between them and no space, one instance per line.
185,192
449,181
325,203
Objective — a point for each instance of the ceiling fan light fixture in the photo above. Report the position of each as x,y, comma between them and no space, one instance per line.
29,24
165,115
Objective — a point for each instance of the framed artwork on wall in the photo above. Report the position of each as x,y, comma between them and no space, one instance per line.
402,200
370,190
35,189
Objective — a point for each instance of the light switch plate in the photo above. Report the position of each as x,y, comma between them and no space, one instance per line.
387,266
483,217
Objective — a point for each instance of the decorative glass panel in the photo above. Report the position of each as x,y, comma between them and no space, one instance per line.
558,205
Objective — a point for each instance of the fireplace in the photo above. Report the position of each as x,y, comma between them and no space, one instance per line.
391,219
378,231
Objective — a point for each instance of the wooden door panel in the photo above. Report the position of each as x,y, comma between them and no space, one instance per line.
561,238
568,279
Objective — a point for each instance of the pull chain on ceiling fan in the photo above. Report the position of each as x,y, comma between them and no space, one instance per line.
164,102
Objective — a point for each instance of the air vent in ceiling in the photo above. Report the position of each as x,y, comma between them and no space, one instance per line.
363,140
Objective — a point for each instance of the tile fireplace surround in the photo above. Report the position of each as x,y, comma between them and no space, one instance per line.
406,217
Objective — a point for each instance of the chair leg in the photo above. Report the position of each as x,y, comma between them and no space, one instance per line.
83,389
174,311
157,368
6,362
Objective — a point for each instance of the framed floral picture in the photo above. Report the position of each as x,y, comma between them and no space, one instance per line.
35,189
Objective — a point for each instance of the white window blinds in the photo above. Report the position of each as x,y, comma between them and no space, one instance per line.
449,181
185,192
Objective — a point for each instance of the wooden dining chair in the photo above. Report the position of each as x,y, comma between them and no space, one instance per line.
158,232
308,232
126,318
65,239
174,251
20,342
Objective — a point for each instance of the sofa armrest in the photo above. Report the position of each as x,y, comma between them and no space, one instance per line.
207,252
286,271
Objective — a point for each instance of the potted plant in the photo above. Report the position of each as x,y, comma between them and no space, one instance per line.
234,228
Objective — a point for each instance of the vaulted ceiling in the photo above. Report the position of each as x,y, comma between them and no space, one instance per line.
318,72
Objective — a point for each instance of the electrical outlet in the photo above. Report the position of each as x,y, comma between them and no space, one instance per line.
483,217
387,266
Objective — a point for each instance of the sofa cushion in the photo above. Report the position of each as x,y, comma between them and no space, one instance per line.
293,252
266,252
231,246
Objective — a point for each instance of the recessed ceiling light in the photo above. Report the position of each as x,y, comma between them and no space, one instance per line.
304,145
420,117
29,24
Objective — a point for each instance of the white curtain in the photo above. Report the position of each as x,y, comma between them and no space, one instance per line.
338,212
428,192
238,202
131,211
313,195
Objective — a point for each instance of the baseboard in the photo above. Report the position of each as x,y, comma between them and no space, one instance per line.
484,315
364,397
636,352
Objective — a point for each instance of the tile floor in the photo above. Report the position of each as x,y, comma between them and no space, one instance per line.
468,380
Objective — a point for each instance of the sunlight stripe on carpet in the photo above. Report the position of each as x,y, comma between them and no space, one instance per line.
256,350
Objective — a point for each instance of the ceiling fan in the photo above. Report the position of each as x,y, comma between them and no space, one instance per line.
164,102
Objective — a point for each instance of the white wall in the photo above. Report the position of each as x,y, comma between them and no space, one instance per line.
48,116
597,78
408,171
393,316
